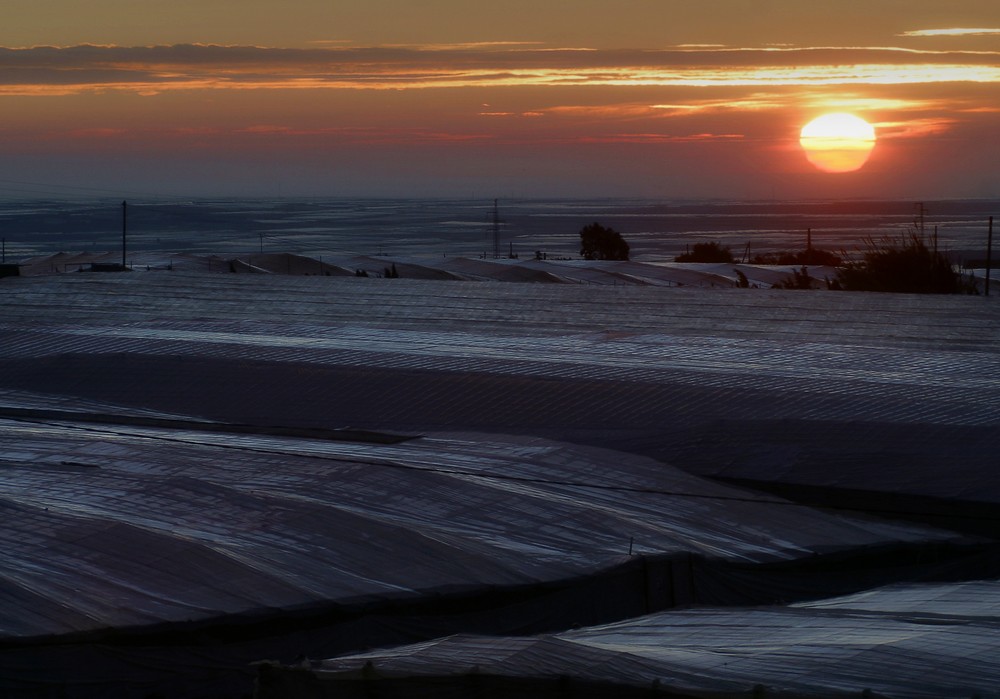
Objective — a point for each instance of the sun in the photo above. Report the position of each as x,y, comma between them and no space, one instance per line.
838,142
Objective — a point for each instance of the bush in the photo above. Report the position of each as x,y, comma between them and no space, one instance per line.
706,252
810,256
906,265
800,279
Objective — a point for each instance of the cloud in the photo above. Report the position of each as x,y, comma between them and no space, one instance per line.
155,69
465,45
957,31
853,103
914,128
654,138
98,133
590,111
753,102
396,135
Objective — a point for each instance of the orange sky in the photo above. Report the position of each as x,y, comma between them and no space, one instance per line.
585,98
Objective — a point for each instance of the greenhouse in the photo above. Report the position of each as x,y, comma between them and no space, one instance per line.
203,472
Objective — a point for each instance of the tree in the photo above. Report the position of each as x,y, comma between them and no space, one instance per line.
600,243
706,252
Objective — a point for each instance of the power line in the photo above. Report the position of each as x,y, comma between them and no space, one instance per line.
76,188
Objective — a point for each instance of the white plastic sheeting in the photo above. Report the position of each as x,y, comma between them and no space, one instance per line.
845,318
110,523
118,526
455,268
626,366
904,642
890,394
651,359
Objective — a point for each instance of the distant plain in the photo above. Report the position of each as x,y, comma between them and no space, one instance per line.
656,230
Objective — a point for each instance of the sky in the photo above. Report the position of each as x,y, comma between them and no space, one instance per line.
669,99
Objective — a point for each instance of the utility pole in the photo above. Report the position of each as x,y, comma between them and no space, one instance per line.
989,255
496,230
124,211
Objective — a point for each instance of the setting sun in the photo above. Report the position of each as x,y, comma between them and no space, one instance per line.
838,142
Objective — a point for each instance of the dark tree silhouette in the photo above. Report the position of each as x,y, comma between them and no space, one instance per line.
600,243
706,252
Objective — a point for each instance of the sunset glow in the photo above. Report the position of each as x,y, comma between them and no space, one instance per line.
389,97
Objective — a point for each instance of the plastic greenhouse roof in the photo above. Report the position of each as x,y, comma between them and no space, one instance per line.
174,445
114,526
905,642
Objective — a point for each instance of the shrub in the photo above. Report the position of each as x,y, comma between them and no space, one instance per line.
906,265
706,252
800,279
810,256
